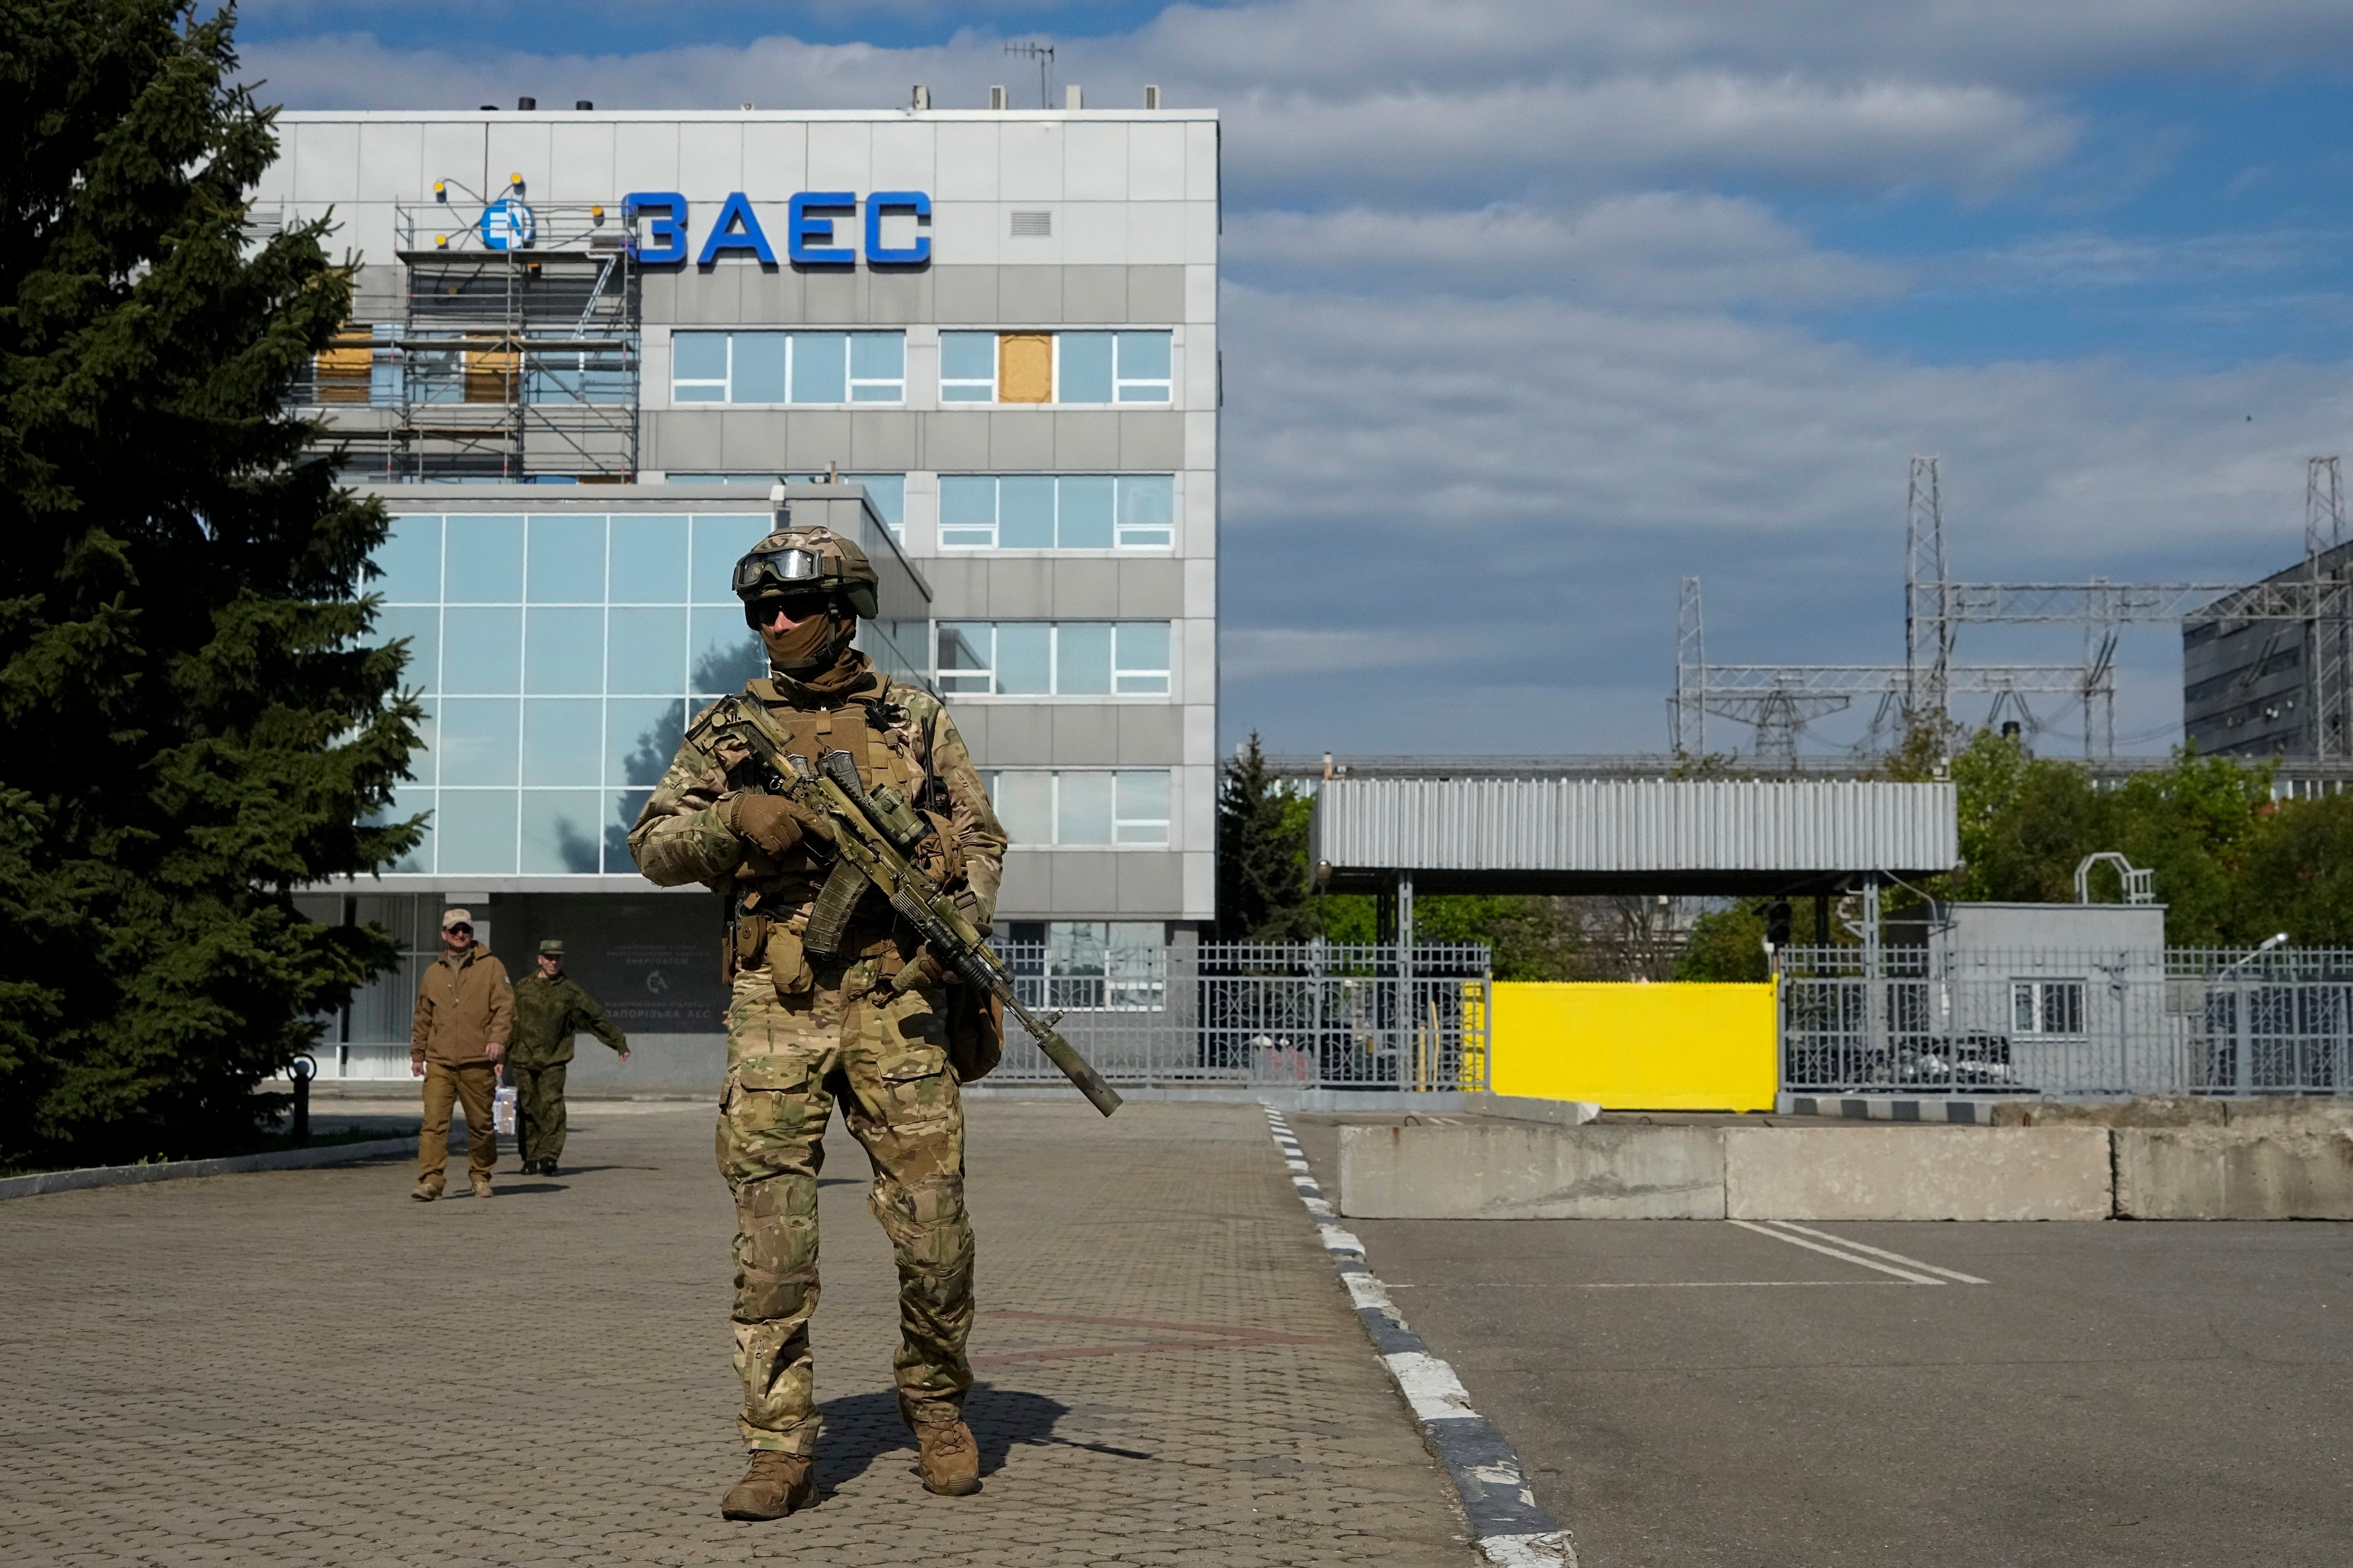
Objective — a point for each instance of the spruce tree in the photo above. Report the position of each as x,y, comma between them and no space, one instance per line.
195,722
1262,830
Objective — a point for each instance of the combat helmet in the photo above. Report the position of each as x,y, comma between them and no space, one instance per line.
799,559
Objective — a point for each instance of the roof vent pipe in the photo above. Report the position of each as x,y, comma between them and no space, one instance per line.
583,105
526,104
922,99
1073,97
997,98
1152,97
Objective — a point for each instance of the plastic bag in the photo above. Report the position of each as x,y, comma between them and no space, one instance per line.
502,1111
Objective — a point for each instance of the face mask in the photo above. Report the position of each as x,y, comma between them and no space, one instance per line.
802,646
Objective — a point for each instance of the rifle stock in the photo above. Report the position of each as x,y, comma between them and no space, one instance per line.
863,843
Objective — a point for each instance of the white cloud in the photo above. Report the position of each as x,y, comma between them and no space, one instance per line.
1652,247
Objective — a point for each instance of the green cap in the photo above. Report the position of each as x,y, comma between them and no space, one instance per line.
553,947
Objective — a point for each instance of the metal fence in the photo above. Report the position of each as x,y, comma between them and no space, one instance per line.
1306,1015
1310,1016
1932,1019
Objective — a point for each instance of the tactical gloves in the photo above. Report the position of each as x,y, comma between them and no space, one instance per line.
772,823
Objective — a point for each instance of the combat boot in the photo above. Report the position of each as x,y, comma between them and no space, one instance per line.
950,1464
481,1186
774,1487
428,1188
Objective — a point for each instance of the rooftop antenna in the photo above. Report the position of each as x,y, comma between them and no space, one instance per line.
1044,55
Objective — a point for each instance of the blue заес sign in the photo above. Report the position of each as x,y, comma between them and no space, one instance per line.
814,229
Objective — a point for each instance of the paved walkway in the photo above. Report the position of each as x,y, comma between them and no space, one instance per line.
308,1367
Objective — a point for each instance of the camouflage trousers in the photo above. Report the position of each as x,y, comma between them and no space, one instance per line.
788,1060
539,1108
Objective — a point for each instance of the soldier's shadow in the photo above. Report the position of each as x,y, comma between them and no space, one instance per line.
860,1428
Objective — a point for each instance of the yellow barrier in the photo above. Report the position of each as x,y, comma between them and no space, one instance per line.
1637,1047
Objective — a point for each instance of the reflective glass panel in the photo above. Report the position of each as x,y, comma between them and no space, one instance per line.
408,561
821,361
645,650
423,758
621,815
889,494
724,653
968,356
484,560
567,559
698,356
479,740
421,625
1025,512
1083,809
564,650
1143,356
409,802
1143,657
1084,374
563,741
649,555
1085,511
1024,658
1143,802
560,831
1147,509
476,830
964,655
757,375
481,650
721,539
1025,806
641,737
1082,659
967,511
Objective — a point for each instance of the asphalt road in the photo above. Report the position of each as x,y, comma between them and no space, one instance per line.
1688,1393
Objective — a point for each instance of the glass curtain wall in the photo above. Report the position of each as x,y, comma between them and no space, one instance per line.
558,658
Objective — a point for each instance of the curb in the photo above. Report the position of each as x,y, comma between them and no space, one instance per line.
175,1169
1506,1525
1890,1108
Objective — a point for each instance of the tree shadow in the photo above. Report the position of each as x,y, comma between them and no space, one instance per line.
860,1428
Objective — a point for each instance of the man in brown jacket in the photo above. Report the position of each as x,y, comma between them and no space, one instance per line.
465,1016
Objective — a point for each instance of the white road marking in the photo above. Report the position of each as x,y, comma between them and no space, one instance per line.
1843,1257
1853,1246
1638,1284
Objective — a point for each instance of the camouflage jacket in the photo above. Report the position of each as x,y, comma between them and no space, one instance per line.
898,733
548,1013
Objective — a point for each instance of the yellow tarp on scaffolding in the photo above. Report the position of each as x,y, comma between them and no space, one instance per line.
1637,1047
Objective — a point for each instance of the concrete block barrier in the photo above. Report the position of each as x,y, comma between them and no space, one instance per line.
1916,1173
1530,1171
2196,1174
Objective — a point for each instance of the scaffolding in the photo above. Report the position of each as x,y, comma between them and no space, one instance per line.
517,353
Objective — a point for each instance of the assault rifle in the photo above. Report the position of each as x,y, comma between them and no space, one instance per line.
875,837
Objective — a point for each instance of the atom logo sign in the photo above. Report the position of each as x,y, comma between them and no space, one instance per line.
508,225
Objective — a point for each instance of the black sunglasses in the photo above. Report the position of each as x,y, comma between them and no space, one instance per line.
460,926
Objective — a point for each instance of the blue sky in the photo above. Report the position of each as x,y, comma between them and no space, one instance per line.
1555,301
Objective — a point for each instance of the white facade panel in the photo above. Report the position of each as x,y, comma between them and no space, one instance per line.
776,160
1093,234
1155,163
1030,165
326,161
520,145
841,156
1155,233
645,158
1095,162
710,163
1200,160
906,156
580,153
392,162
967,164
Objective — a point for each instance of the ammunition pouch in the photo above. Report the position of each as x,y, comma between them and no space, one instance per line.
975,1030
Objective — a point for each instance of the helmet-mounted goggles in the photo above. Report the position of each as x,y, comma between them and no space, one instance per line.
791,569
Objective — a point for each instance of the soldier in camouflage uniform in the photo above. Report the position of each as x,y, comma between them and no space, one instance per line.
550,1008
805,1030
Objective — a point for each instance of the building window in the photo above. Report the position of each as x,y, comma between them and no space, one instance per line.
1055,367
788,367
1069,964
1082,808
1054,659
1056,511
2046,1006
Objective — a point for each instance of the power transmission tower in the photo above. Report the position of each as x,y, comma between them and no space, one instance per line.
2324,505
1927,629
1687,714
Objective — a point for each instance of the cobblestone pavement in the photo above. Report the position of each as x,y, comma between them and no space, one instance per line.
308,1367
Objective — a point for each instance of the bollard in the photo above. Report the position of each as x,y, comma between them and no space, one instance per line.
302,1070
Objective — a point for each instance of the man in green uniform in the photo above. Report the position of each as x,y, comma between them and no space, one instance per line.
549,1009
806,1030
